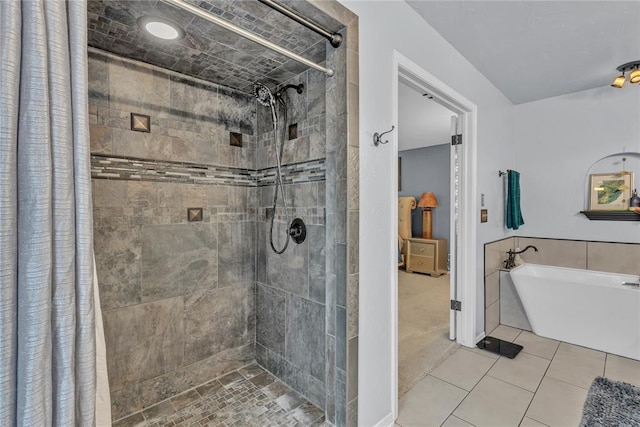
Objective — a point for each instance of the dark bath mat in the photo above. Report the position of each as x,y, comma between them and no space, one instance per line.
501,347
611,403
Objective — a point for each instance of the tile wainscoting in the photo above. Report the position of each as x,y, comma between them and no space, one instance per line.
589,255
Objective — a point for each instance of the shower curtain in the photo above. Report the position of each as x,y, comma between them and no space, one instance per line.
47,323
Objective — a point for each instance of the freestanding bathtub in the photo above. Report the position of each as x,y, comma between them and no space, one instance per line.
583,307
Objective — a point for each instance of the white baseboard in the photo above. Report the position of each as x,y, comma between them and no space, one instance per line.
480,337
387,421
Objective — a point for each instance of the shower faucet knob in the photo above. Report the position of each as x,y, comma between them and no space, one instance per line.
298,230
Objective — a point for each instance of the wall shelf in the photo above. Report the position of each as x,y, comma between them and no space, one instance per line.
611,215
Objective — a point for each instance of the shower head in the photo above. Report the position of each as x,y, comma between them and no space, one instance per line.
263,94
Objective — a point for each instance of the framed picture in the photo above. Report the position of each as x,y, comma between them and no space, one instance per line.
610,191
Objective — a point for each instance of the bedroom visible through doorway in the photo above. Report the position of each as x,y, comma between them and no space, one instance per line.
424,232
463,192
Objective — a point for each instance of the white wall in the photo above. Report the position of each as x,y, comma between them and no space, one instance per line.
422,122
557,140
385,26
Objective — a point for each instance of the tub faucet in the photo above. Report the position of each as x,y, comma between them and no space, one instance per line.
510,262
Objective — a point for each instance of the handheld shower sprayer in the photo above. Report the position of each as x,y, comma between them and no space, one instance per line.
264,95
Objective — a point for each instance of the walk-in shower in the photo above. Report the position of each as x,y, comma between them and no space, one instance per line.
296,229
198,188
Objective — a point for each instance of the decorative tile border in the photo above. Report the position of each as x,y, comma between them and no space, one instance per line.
313,170
113,167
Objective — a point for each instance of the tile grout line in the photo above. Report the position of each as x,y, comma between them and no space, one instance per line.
504,382
469,392
538,387
540,383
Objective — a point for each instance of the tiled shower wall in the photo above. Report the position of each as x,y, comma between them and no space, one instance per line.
178,297
343,231
290,298
588,255
189,141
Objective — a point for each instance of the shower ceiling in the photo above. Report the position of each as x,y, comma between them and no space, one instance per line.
207,51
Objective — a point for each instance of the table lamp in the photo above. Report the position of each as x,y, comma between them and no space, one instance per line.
427,201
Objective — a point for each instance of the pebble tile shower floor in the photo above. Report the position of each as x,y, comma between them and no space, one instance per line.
247,397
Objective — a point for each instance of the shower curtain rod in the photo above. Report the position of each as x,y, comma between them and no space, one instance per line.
246,34
334,38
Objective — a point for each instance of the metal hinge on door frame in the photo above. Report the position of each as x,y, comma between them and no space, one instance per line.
456,139
456,305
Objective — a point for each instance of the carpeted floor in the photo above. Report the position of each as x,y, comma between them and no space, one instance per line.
423,326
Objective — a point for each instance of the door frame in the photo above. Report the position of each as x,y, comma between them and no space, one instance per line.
466,269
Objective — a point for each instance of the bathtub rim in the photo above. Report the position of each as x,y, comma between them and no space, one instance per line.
623,277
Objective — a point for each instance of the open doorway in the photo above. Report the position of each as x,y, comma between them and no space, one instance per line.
424,231
461,244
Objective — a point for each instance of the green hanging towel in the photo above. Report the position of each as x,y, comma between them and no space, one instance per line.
514,214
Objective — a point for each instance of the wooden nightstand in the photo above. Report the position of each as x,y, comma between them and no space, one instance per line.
427,256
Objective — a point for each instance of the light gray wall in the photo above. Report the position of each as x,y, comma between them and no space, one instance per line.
559,140
428,169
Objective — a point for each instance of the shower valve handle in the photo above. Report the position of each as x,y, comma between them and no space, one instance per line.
298,231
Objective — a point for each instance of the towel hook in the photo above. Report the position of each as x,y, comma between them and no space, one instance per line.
500,173
376,137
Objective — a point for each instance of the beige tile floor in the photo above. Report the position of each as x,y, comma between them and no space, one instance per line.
545,385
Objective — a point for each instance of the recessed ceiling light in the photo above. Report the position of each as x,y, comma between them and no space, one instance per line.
161,28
